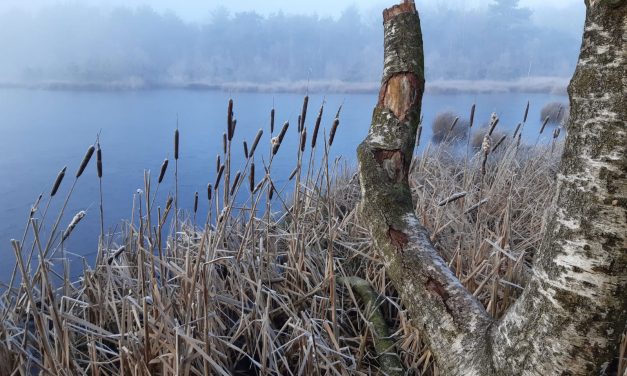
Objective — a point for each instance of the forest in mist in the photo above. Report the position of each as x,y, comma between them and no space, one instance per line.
76,43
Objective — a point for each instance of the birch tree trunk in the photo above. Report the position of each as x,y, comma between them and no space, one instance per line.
571,314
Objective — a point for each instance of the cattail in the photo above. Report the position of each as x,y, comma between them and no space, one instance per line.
499,143
255,143
229,121
164,167
235,181
517,129
300,127
168,207
494,120
116,254
195,202
526,113
99,161
339,109
303,139
85,161
278,140
294,172
303,114
232,132
546,120
472,114
314,136
224,142
452,198
57,182
336,123
454,124
251,177
556,133
419,135
518,141
176,144
220,171
258,186
209,188
271,191
245,150
272,121
77,218
218,163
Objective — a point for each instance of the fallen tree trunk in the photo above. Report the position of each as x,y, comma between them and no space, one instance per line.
573,311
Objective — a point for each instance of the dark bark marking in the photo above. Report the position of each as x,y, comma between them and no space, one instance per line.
436,288
398,238
393,162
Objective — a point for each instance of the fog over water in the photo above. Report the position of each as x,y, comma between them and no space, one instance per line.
139,46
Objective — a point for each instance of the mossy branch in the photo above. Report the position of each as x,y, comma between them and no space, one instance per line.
384,345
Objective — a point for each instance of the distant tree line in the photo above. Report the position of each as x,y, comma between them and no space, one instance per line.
73,42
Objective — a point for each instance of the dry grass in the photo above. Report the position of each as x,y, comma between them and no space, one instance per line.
263,291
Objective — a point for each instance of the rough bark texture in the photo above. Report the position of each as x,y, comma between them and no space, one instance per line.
569,318
437,301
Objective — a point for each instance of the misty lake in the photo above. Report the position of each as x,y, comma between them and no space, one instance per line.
42,131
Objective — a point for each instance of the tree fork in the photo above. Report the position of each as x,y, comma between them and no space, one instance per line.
569,318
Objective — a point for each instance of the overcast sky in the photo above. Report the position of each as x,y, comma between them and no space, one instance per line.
197,10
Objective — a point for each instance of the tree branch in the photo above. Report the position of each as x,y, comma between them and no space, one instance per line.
455,323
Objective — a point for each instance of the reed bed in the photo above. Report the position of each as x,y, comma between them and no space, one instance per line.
279,279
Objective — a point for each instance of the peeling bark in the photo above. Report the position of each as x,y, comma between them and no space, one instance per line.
571,315
569,318
438,303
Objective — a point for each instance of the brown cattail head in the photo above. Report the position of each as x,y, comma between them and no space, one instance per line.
272,121
556,132
245,150
303,113
99,161
485,145
303,140
336,123
85,161
209,189
526,113
224,143
472,115
57,182
255,143
235,181
220,172
229,119
546,120
279,139
294,172
271,190
176,144
314,135
300,126
494,120
77,218
499,143
517,129
232,131
454,124
419,135
195,202
251,177
164,167
218,164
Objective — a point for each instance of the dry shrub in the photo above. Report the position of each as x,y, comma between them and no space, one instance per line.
446,127
556,112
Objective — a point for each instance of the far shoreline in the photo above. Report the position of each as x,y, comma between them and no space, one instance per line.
545,85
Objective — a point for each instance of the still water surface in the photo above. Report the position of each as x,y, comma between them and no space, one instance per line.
42,131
